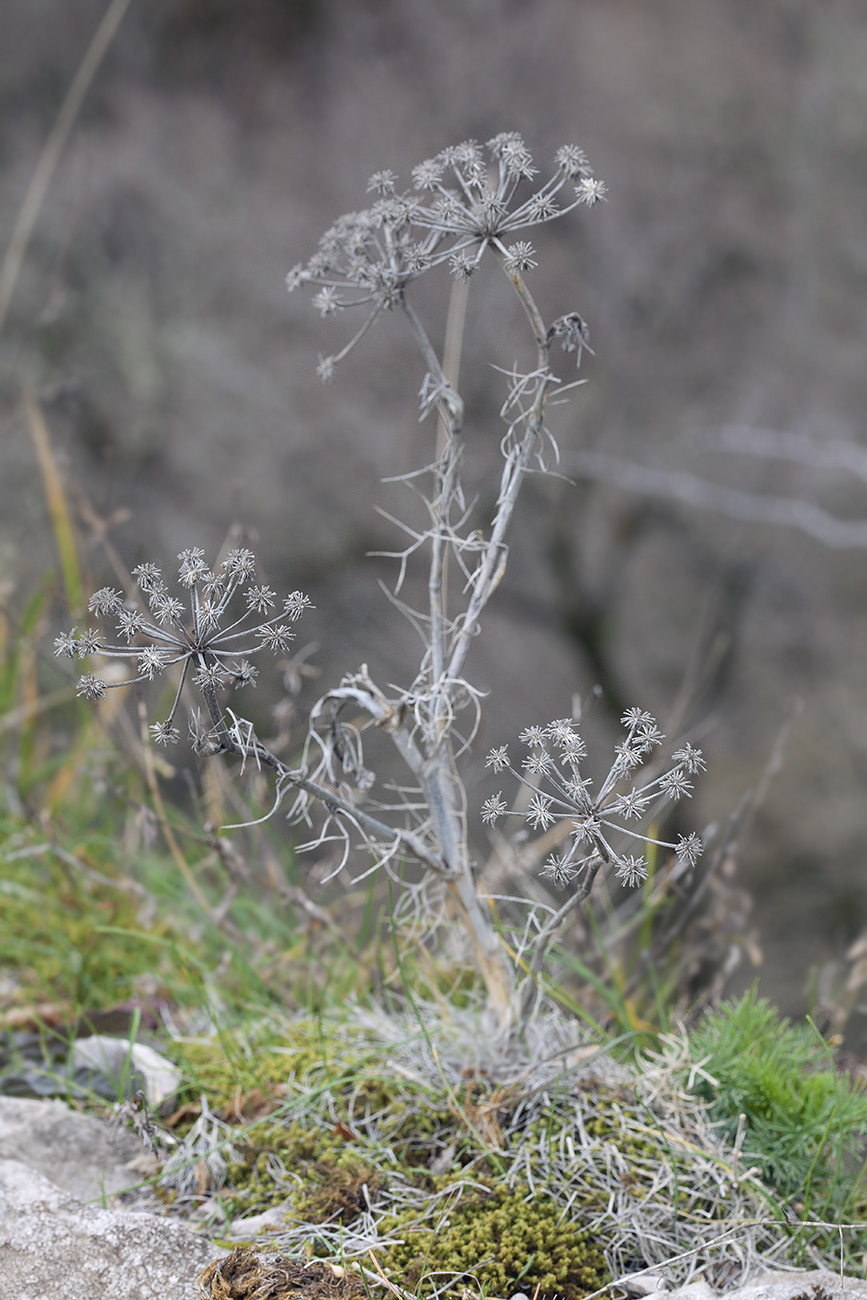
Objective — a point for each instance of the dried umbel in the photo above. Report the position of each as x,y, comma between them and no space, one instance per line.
562,793
225,619
462,204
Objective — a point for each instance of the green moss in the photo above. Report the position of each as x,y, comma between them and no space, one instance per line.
254,1180
321,1174
317,1172
501,1239
337,1189
227,1070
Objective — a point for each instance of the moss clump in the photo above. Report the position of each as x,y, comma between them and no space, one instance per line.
221,1067
333,1175
501,1239
491,1232
258,1178
348,1066
339,1191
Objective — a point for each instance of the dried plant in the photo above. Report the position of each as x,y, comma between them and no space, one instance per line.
467,204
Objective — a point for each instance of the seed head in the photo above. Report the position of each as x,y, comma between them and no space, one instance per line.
498,759
207,636
88,643
632,871
163,733
90,687
559,870
589,190
493,808
105,601
559,792
688,849
66,644
465,201
520,258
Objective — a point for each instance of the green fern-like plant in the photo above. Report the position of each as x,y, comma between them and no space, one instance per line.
805,1123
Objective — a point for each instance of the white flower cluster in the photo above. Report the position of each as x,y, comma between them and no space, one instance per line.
199,638
562,794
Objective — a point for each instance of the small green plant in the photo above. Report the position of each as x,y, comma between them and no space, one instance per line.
804,1123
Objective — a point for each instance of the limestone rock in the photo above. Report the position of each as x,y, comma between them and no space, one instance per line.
813,1285
818,1284
258,1226
80,1154
128,1068
54,1248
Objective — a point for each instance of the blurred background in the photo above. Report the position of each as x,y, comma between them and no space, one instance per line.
711,543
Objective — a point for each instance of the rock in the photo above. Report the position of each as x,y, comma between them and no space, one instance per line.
259,1225
694,1291
128,1068
101,1065
80,1154
54,1248
817,1284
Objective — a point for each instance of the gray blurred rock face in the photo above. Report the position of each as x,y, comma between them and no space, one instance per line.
722,283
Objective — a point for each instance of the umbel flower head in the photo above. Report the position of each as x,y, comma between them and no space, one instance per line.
464,201
226,618
561,793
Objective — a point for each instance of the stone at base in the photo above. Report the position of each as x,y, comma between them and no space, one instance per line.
54,1248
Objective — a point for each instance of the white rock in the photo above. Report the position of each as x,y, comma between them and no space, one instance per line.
787,1286
128,1067
259,1225
692,1291
769,1286
54,1248
80,1154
